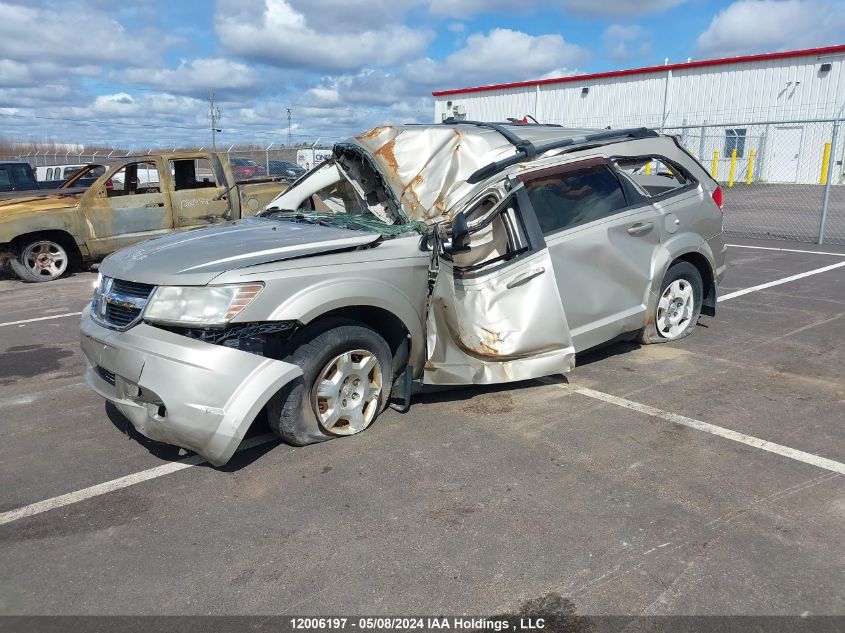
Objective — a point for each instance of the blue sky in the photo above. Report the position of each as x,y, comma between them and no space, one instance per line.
137,74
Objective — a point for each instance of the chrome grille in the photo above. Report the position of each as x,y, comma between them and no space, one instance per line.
118,304
131,288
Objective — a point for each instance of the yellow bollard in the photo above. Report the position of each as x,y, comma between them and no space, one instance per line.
715,166
732,172
648,168
750,170
825,164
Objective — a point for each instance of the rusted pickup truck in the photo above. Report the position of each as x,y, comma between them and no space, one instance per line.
46,234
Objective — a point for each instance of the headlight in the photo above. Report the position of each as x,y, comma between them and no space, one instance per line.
200,305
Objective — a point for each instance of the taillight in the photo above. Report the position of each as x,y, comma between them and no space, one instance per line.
717,197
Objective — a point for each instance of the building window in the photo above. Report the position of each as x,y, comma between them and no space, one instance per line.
735,140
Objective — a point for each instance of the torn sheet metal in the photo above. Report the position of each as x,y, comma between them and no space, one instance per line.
505,326
426,167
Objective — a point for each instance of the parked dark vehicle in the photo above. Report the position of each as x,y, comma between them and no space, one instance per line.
246,169
285,168
15,176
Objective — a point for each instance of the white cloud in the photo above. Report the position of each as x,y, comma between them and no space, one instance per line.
505,55
195,76
769,25
283,35
624,41
74,35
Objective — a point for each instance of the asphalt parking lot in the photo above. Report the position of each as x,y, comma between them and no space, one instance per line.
702,477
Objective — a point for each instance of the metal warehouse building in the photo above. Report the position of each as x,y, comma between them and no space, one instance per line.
774,111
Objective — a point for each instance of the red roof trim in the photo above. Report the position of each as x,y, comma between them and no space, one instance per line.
839,48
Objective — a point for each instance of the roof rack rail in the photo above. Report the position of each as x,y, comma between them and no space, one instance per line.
497,166
523,147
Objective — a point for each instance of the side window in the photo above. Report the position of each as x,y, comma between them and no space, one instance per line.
653,175
192,173
50,174
5,179
574,197
134,179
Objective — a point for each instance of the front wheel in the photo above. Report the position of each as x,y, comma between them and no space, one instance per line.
40,260
678,305
345,383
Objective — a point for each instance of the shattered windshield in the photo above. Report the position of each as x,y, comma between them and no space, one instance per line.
331,197
366,222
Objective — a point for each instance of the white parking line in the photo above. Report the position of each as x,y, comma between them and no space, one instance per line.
736,436
777,282
46,318
786,250
119,483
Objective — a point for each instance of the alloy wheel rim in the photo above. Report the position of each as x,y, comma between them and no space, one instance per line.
347,392
46,259
675,309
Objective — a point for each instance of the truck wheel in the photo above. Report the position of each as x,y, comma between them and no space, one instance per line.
678,305
345,383
40,260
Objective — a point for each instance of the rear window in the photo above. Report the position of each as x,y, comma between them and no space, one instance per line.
654,175
575,197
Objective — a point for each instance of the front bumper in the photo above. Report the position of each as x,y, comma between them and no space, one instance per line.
178,390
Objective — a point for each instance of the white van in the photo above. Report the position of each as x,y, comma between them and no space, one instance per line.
47,173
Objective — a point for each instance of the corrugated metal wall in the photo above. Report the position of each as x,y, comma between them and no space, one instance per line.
744,93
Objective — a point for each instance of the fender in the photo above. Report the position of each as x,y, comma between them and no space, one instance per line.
22,218
669,251
312,302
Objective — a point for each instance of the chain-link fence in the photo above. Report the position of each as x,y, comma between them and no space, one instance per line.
247,163
781,179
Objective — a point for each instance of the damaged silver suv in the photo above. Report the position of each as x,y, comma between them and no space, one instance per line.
448,254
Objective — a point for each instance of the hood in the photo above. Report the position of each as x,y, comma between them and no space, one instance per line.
36,202
197,256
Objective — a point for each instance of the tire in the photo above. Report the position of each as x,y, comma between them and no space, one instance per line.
677,306
41,259
345,358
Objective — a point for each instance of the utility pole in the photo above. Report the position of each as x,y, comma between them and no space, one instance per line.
214,113
290,143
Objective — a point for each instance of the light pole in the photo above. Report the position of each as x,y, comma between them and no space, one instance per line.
289,134
214,113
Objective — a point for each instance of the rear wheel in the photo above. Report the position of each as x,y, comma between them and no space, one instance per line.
678,305
345,383
41,260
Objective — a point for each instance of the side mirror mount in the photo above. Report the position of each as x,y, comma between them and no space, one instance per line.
460,236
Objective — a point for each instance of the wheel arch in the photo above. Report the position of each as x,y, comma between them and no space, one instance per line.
63,237
377,304
701,263
389,326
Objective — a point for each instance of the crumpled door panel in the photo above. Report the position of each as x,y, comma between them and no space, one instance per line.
503,326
